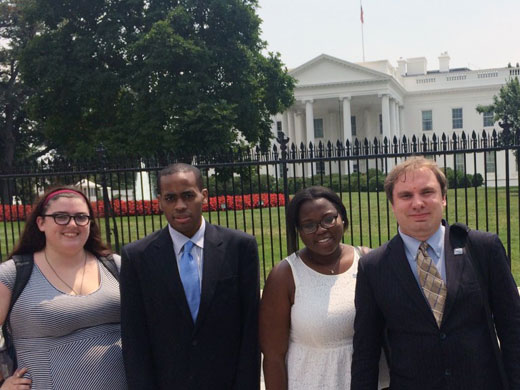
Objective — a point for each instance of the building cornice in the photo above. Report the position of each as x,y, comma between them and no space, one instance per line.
340,83
454,90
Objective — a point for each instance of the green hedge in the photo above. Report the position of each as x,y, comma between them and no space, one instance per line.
462,181
353,182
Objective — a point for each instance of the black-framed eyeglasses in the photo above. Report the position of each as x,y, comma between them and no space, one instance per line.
64,219
326,222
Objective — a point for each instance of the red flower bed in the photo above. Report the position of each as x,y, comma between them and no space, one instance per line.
14,212
239,202
151,207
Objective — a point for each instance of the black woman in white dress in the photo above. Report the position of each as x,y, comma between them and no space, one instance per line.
307,310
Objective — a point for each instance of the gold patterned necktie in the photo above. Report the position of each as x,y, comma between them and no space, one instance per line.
431,282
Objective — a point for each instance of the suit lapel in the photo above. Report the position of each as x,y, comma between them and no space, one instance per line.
454,267
405,276
212,264
167,271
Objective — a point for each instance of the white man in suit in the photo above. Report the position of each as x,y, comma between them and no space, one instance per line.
189,297
427,294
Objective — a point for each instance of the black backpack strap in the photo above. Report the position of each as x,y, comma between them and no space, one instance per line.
110,265
462,236
24,265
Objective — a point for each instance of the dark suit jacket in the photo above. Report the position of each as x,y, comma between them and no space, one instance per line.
457,356
162,347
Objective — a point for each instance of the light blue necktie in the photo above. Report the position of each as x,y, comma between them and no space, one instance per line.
189,271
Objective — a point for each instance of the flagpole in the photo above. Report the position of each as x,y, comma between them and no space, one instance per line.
362,35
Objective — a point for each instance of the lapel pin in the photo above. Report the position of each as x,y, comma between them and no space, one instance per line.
458,251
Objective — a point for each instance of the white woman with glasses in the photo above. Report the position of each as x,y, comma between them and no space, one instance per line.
307,309
65,324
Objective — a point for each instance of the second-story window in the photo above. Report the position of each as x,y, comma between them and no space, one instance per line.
427,120
279,128
489,119
353,125
456,118
318,128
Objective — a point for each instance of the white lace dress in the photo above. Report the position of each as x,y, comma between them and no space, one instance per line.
322,328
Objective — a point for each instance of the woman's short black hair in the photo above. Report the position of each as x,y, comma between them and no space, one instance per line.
312,193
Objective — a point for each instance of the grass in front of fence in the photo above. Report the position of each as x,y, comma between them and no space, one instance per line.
371,222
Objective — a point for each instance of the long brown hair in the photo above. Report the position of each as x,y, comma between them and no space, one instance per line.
33,240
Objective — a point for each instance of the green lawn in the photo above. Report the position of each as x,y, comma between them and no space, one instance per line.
371,223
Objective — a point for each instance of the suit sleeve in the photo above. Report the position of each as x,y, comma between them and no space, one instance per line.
248,369
137,353
368,329
505,305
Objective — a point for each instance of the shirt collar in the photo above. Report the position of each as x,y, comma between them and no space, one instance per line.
180,239
436,242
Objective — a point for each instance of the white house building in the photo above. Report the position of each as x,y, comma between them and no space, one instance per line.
341,100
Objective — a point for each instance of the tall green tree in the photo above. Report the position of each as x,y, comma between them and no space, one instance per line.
187,77
506,107
76,66
18,135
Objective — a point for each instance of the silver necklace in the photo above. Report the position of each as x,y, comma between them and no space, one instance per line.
64,282
333,269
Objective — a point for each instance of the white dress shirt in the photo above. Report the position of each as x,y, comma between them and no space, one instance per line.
197,251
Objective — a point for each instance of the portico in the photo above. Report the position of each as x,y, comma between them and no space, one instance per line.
336,99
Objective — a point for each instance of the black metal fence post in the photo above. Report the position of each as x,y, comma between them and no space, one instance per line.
506,140
291,234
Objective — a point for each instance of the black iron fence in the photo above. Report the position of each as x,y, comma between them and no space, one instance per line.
249,189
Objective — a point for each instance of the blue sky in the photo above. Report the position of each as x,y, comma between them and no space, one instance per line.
477,34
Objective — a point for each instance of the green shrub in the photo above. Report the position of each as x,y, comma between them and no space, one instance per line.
461,180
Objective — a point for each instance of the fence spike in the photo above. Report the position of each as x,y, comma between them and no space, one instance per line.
329,148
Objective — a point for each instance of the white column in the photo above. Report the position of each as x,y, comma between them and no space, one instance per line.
300,120
309,129
309,122
392,118
292,130
347,128
299,138
385,112
397,120
347,125
285,123
401,128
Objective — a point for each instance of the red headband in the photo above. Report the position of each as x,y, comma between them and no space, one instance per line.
57,192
